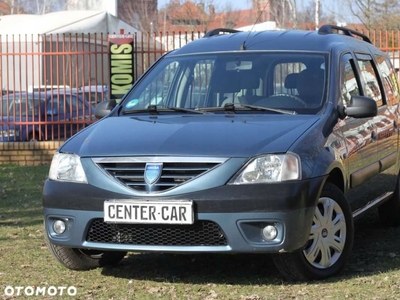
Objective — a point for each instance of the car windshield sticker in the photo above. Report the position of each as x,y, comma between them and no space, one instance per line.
132,103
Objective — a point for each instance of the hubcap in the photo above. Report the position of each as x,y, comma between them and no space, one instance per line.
327,236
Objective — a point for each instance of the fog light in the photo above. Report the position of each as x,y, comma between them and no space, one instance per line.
59,226
270,232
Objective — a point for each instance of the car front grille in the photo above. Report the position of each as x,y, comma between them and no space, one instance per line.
201,233
130,172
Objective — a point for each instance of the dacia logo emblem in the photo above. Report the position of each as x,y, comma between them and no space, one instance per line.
152,172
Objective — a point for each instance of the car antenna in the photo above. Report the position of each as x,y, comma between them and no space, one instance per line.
243,46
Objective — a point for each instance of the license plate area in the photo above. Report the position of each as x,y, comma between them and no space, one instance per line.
148,212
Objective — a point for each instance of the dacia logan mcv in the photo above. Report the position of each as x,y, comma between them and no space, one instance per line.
238,142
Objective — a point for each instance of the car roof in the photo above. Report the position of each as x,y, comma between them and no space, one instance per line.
291,40
23,95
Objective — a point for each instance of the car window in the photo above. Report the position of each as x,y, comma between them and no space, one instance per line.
20,105
350,85
77,103
60,104
369,78
285,81
214,80
389,80
197,88
235,80
154,89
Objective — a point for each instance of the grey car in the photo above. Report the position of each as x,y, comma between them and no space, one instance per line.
260,142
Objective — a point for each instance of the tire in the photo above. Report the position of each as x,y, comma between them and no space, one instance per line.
332,229
84,259
389,212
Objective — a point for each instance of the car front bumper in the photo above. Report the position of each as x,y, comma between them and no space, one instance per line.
226,219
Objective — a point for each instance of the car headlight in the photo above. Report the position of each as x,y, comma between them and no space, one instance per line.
270,168
67,167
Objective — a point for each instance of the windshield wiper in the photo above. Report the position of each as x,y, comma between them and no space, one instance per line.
153,109
229,107
278,110
189,110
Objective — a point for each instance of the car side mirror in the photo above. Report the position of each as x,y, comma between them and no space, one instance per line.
104,108
361,107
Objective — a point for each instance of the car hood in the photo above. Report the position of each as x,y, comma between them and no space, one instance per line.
194,135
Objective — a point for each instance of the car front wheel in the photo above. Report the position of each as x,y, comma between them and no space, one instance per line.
330,242
84,259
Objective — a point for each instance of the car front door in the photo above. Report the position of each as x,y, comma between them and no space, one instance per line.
360,134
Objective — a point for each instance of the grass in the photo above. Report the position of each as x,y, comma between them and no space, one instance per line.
372,273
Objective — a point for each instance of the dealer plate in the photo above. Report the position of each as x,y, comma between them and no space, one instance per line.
148,212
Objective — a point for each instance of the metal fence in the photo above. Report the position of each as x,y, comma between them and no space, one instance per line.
51,83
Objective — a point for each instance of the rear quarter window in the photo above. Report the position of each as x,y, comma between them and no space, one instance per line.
370,79
389,79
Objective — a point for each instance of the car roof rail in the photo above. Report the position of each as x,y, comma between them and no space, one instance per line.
218,31
327,28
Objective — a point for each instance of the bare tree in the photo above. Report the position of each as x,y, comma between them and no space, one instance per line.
317,16
39,7
388,15
284,12
293,8
83,4
373,14
307,17
45,6
362,10
16,6
275,7
231,17
141,14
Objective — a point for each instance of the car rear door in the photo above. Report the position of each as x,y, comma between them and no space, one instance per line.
388,114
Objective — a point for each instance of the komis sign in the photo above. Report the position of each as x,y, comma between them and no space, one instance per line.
121,64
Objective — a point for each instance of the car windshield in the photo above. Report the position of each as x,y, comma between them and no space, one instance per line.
288,81
20,105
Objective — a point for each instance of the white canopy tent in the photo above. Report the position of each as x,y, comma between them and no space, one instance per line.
83,21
